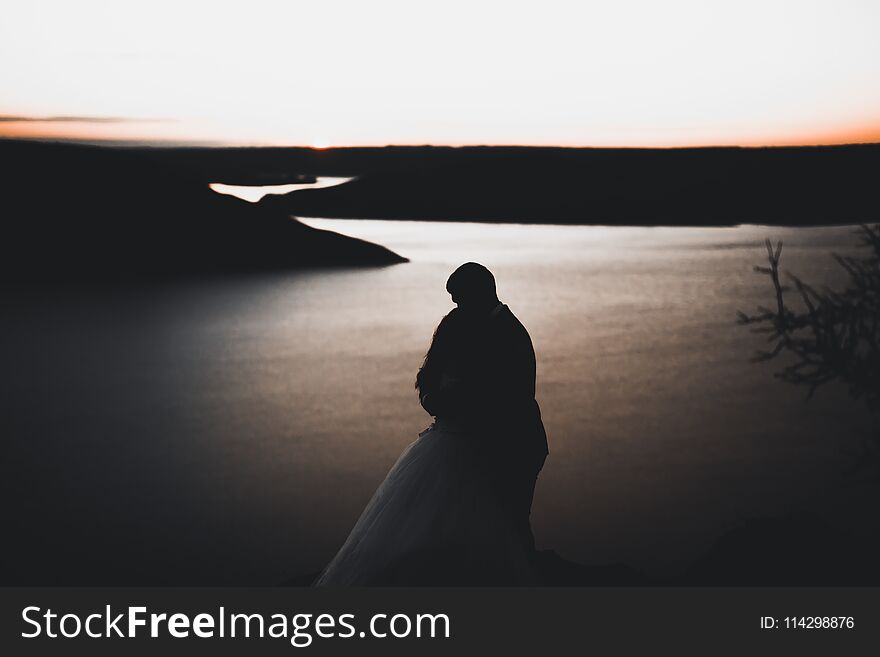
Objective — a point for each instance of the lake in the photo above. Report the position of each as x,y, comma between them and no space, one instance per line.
230,431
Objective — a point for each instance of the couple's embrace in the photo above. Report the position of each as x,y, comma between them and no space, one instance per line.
455,507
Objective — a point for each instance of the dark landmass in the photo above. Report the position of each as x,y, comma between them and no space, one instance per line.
680,187
103,213
797,550
257,178
794,550
96,210
553,570
798,186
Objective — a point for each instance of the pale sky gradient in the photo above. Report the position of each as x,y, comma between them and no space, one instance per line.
329,72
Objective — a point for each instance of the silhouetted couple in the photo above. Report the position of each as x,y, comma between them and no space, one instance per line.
455,507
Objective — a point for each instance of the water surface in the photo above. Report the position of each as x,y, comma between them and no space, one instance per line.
254,193
230,431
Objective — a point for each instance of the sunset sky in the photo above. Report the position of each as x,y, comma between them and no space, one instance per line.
329,72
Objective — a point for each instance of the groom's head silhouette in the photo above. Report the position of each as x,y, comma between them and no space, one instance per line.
472,287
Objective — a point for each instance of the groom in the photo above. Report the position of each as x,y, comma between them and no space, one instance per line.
497,367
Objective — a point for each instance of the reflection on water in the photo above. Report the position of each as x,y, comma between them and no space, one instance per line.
232,431
254,193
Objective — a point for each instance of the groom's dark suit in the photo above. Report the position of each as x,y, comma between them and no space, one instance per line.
490,388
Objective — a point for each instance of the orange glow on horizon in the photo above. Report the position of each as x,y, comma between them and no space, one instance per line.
172,132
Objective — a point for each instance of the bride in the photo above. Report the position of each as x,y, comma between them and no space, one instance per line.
453,510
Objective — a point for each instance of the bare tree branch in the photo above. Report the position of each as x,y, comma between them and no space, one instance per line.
836,337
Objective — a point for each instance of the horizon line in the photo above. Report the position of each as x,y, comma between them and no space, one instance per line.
174,143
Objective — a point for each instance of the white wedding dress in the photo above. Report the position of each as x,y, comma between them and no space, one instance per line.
436,519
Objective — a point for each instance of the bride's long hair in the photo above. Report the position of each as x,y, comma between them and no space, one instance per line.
438,352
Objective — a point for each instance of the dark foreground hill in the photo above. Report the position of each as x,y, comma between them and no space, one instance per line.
74,211
793,550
